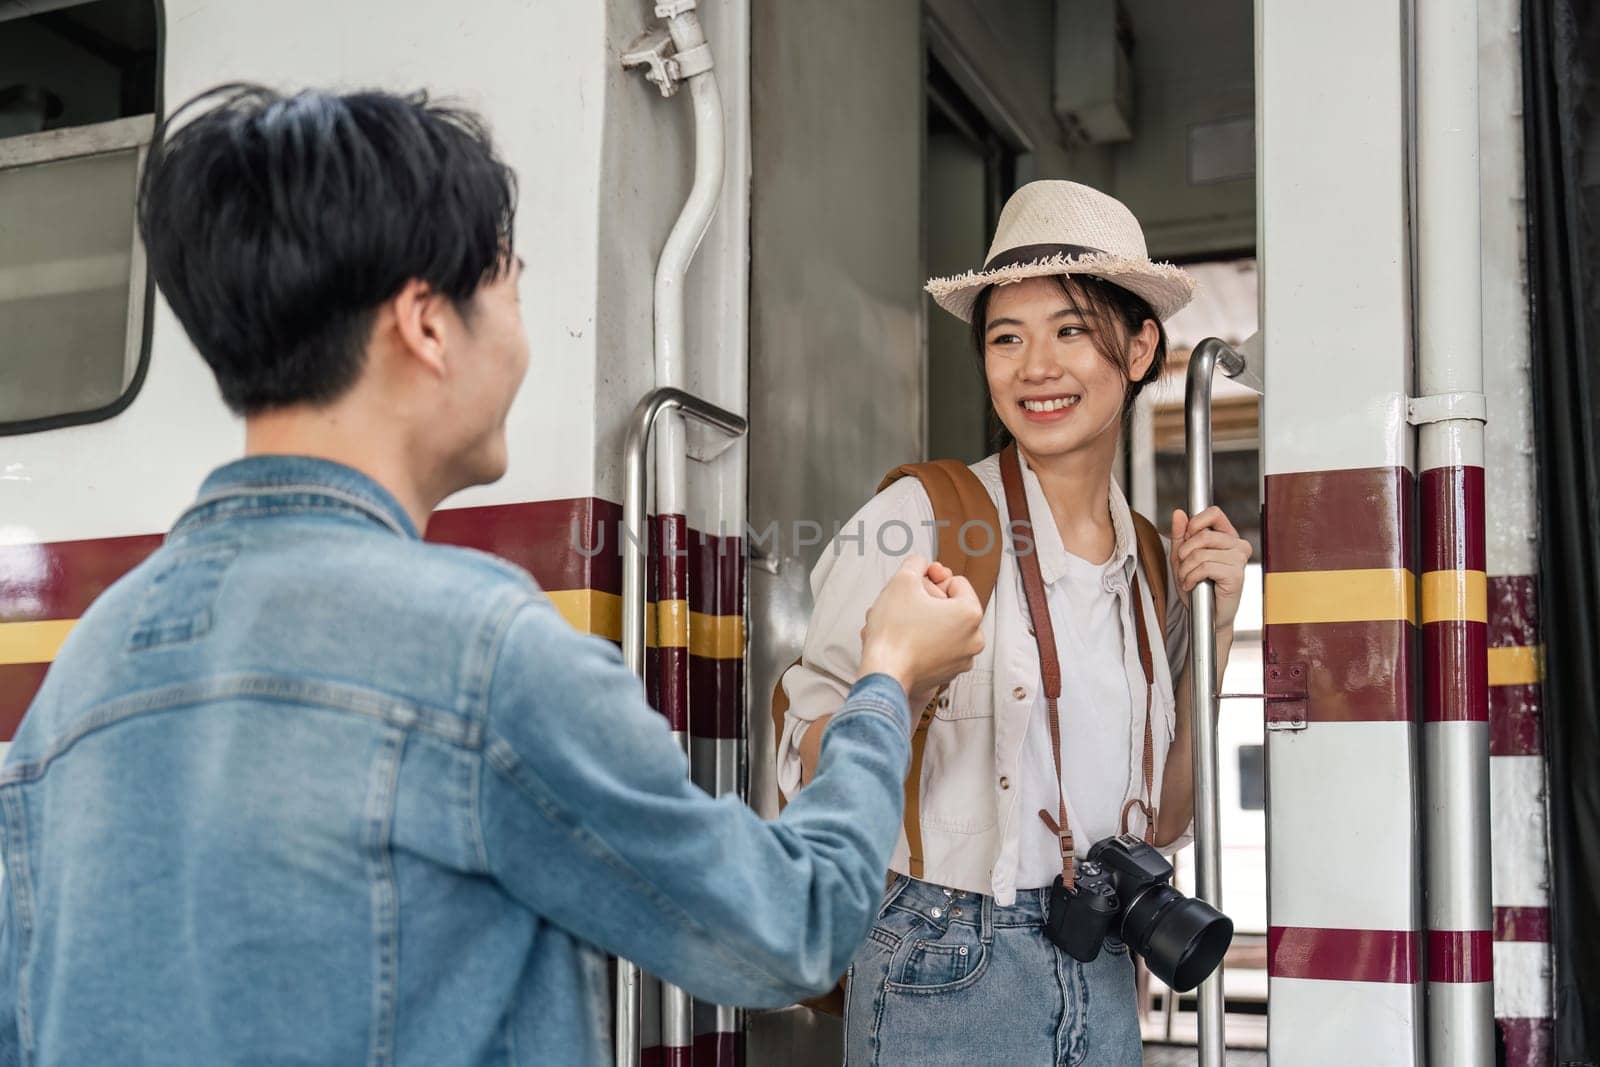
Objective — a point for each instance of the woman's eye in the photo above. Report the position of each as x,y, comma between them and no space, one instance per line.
1004,339
1071,331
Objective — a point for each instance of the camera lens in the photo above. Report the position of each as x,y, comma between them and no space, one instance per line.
1181,939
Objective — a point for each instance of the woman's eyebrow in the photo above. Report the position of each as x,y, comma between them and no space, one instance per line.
1063,313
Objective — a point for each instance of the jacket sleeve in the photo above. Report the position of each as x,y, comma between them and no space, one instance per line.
10,1037
851,573
587,816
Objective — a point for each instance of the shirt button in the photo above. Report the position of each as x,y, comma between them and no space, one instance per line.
944,702
1019,692
1005,783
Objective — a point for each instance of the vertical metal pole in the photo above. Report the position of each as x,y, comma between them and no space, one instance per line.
1207,356
635,548
1451,409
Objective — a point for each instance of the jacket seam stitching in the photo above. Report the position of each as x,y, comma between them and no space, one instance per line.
334,696
384,897
20,875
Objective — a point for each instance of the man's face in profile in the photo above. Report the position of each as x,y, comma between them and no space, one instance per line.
487,368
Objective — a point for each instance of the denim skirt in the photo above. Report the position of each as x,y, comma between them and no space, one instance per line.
947,977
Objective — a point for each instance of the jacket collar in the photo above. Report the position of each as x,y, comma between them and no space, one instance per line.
317,482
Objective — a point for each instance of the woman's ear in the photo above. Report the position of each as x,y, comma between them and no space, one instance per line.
1142,350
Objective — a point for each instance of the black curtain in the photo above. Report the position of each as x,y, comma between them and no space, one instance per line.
1561,105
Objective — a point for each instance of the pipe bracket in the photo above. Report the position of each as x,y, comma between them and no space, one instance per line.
695,61
1447,407
652,50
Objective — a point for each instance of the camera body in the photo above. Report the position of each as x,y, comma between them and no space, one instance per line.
1124,888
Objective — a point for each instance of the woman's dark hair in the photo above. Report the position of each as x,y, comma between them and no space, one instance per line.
276,225
1113,315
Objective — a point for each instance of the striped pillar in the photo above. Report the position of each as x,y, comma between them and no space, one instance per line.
1517,823
1449,409
1517,827
1341,848
1456,759
696,675
1346,945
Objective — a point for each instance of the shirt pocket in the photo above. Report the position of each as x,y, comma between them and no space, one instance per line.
958,762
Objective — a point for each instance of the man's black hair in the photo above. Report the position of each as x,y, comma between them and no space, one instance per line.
276,225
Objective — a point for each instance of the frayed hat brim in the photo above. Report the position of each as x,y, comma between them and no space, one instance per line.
1166,288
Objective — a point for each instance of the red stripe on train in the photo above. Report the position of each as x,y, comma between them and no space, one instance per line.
718,1050
19,684
60,579
1530,1042
1516,724
1343,955
1452,519
1521,924
1455,657
1460,956
1513,610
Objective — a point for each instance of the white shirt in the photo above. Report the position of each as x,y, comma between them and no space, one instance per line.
987,768
1098,713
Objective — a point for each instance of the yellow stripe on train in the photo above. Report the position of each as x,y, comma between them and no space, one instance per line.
1518,665
710,636
1366,595
588,610
33,642
1455,596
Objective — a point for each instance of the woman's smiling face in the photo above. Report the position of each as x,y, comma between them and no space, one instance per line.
1052,385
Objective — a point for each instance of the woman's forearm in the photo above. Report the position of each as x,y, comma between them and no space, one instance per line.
1176,811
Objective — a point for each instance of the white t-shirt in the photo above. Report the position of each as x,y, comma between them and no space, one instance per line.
1097,712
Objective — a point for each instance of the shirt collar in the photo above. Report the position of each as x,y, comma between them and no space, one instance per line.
336,483
1047,538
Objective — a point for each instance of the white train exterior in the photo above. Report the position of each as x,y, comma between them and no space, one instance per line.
1284,133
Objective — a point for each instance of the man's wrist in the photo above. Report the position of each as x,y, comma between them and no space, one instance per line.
875,662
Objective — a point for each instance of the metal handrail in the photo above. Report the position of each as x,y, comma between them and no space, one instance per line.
1208,355
635,545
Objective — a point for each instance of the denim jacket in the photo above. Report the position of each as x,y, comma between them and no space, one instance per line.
302,788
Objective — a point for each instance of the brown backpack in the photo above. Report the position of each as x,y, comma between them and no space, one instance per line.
959,497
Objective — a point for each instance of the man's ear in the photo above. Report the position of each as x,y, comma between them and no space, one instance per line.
1142,350
421,321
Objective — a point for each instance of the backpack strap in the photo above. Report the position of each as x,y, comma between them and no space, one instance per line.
968,540
1153,564
1153,561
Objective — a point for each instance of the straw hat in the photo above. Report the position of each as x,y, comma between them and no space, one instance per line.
1056,227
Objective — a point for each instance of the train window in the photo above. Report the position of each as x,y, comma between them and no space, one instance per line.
1252,779
79,93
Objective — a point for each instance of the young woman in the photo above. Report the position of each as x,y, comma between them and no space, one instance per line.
1066,316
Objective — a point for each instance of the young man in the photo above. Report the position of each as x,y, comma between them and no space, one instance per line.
302,788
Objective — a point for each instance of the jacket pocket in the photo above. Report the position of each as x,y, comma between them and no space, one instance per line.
958,762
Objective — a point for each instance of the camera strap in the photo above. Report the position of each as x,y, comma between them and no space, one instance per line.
1021,526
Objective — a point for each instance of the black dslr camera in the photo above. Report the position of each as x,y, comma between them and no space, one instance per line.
1123,888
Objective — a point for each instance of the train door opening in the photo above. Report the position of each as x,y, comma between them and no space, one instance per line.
970,169
884,159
